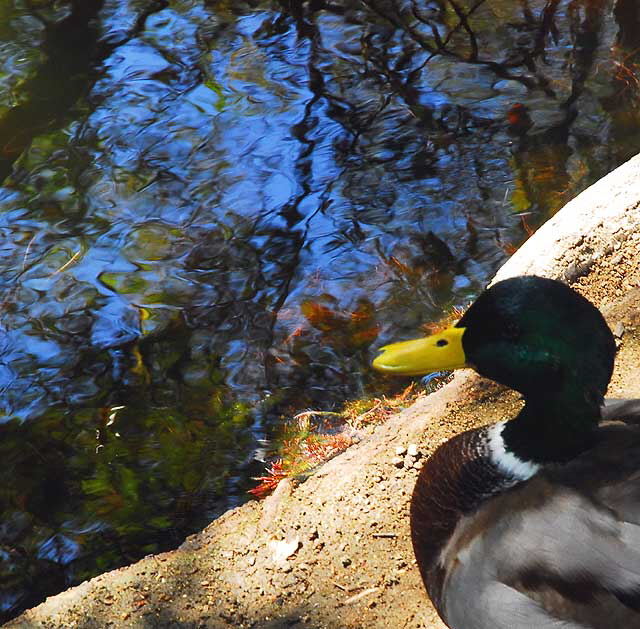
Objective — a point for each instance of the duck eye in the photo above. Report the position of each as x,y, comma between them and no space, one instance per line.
442,342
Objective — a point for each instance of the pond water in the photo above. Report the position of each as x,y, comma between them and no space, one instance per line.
211,212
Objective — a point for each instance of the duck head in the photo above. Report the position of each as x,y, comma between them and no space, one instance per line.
532,334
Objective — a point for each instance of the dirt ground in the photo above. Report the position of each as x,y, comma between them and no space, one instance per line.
333,551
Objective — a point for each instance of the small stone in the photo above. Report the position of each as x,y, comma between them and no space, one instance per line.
618,330
346,561
401,451
284,549
397,461
252,560
412,450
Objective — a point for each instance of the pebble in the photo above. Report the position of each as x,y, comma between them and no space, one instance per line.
412,450
346,561
401,451
397,461
282,549
618,330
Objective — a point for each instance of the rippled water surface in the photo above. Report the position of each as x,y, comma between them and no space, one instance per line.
212,211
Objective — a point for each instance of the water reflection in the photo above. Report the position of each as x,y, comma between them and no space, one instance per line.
211,212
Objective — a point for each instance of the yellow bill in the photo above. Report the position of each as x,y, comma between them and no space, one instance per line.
423,356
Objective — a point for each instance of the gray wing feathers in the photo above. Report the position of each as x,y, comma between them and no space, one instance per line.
574,538
624,410
563,562
498,606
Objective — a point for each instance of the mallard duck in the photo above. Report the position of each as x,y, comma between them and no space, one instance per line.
532,522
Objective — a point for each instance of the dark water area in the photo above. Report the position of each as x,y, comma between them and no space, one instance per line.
211,213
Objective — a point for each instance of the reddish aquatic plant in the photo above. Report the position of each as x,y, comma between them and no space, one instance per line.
321,448
275,473
301,454
314,436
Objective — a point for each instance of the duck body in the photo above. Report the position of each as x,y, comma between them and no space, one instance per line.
560,548
535,522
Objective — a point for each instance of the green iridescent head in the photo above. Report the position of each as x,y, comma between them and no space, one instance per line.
534,335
